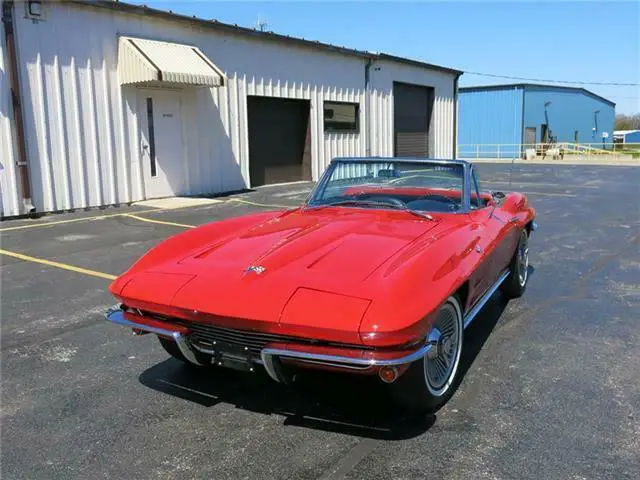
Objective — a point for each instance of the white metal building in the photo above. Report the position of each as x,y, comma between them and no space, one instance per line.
626,136
121,103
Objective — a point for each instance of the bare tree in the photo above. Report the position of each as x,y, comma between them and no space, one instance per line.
628,122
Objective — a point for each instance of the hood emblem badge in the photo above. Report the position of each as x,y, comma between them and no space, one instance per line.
257,269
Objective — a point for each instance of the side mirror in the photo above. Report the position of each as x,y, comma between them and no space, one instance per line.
496,199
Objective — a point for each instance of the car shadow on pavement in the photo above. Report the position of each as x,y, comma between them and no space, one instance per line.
342,403
477,334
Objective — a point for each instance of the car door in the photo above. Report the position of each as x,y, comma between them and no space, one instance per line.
508,234
502,234
486,230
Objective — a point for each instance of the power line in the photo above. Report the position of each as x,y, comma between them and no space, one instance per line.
617,84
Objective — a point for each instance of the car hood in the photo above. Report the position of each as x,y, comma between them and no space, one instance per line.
256,272
314,247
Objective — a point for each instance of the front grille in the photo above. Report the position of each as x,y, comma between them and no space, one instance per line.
213,337
205,335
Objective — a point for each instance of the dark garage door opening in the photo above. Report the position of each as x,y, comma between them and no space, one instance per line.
279,140
412,108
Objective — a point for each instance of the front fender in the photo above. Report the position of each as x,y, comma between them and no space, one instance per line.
411,290
517,205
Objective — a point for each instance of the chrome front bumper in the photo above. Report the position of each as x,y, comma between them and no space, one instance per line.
269,357
116,315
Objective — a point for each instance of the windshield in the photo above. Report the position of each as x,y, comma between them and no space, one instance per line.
417,186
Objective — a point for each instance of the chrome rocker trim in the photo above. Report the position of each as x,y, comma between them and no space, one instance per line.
471,315
270,357
116,315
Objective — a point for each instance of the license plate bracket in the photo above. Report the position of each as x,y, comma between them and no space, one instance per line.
242,364
233,356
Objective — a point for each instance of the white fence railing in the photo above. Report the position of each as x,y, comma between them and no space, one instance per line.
542,150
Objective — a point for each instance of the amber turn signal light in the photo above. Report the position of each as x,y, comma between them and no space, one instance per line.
388,374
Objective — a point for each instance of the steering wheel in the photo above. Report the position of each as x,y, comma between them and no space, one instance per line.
384,199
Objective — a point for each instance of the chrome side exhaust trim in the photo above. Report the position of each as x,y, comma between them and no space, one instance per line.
116,315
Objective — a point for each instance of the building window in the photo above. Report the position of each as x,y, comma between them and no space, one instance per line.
152,137
341,117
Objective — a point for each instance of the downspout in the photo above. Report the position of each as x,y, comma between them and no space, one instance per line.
455,117
522,132
367,100
14,85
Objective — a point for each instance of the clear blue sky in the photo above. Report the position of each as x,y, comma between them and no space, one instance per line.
577,41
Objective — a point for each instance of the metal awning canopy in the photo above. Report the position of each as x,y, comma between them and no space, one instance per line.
147,62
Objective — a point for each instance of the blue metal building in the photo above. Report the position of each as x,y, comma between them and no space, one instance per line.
498,119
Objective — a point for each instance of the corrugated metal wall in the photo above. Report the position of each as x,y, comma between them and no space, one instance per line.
633,137
83,129
569,112
488,118
9,194
384,73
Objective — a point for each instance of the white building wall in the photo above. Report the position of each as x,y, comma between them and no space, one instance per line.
384,73
83,128
9,193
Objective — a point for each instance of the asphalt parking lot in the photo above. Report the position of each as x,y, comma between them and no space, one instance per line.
551,386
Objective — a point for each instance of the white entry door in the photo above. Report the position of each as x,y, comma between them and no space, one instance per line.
161,143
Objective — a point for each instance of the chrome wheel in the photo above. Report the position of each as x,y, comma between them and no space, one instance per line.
523,259
441,361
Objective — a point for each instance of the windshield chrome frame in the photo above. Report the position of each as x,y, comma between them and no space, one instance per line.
466,175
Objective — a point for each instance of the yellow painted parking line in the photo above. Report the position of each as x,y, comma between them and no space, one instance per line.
260,204
134,215
161,222
63,266
71,220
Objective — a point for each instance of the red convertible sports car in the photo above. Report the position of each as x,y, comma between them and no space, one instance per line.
377,273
